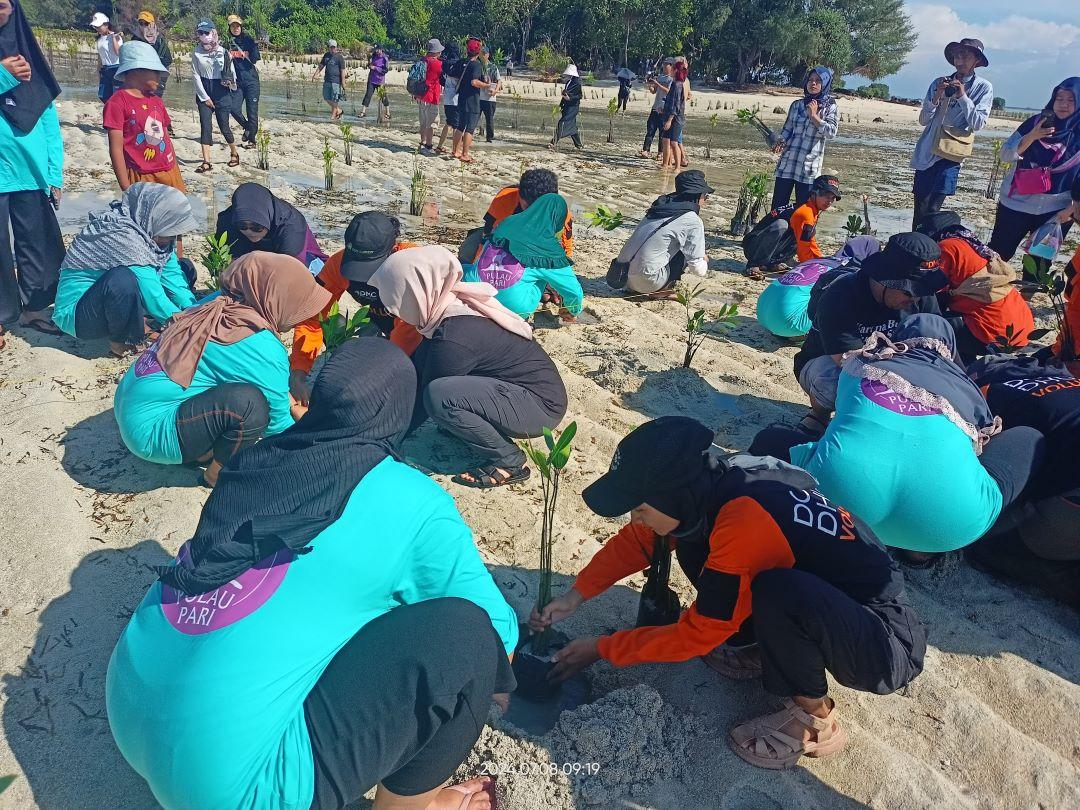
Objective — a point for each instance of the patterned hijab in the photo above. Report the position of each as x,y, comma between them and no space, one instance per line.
124,235
1059,152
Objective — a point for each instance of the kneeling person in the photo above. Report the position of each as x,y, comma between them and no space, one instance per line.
776,565
789,231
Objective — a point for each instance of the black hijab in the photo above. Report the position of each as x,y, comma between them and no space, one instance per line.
670,205
24,104
252,202
283,491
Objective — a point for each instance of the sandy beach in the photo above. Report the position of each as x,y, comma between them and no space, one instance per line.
993,722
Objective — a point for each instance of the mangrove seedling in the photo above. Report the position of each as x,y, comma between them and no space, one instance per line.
418,191
218,257
336,328
1039,276
550,466
757,185
695,318
328,157
742,209
854,225
606,218
346,142
867,229
996,171
515,112
714,119
749,117
262,149
384,104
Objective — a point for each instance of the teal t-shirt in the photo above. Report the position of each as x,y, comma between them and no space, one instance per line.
147,401
781,307
163,294
34,160
905,469
205,694
524,296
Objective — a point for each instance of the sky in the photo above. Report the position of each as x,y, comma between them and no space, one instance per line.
1031,46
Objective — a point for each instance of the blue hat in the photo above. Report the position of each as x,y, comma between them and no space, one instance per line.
205,25
136,55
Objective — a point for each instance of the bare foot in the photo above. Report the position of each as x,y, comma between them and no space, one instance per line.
471,794
210,476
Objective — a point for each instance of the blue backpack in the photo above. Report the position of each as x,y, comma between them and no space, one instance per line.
416,83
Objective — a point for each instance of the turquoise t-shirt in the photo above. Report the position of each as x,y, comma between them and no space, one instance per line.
905,469
147,401
205,694
34,160
781,307
163,294
524,296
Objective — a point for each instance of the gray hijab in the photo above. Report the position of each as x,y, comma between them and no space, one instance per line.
124,235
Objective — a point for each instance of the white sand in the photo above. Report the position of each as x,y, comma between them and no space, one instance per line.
994,721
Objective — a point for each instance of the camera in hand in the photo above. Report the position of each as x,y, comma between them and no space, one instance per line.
950,90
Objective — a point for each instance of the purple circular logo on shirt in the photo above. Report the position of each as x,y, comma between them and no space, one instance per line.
897,403
804,275
236,599
499,268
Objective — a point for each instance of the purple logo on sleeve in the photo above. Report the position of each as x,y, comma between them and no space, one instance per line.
804,275
148,363
884,396
233,601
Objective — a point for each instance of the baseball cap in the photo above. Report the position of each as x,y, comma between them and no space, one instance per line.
369,239
205,25
692,181
901,265
331,43
98,20
827,183
234,18
660,456
146,17
472,47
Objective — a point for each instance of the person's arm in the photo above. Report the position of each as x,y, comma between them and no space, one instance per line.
200,90
628,551
830,122
156,301
693,249
308,336
567,236
54,145
116,39
805,231
930,103
116,155
344,71
745,540
253,50
318,68
566,283
788,128
444,562
174,282
975,111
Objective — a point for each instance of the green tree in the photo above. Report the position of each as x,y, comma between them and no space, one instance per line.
998,103
881,35
412,22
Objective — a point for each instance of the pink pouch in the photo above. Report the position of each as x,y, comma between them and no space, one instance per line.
1031,181
498,267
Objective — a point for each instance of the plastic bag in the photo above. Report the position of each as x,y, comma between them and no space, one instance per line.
1046,241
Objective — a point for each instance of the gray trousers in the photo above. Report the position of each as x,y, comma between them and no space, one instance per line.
487,414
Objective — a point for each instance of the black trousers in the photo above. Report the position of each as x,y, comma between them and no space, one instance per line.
368,93
28,221
1012,227
487,109
1011,458
112,308
248,88
968,346
624,96
222,421
400,704
652,128
769,245
223,107
805,626
488,414
782,188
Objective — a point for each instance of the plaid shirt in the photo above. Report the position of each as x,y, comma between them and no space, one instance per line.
805,142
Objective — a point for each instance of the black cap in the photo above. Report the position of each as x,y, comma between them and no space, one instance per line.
913,249
369,239
660,456
692,182
901,265
934,223
827,183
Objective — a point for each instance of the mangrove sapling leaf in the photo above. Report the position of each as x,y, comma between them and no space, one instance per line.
328,157
550,466
606,218
612,111
262,152
337,329
5,782
695,318
418,191
854,225
749,117
346,141
218,257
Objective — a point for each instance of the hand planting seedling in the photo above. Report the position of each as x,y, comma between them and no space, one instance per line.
749,117
217,258
337,329
606,218
695,318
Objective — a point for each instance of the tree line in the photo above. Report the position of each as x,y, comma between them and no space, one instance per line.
743,41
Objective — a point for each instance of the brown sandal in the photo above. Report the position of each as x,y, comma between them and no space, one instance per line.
234,161
731,662
763,743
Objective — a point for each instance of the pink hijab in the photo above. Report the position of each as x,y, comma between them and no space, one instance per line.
423,287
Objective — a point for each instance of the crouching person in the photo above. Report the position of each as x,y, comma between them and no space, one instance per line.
122,268
336,663
668,242
217,379
789,585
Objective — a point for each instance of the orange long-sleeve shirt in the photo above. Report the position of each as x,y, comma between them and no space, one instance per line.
989,312
308,336
1072,306
803,224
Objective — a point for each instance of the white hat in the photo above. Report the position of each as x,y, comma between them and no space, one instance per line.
331,43
571,70
98,20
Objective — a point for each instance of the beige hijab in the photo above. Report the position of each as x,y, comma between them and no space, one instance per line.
423,287
258,291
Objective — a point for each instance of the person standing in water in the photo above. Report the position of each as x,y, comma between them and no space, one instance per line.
955,108
333,90
108,51
811,123
378,67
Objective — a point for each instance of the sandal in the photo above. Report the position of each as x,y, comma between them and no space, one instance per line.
812,426
489,478
43,325
234,160
204,167
732,662
754,273
763,743
467,159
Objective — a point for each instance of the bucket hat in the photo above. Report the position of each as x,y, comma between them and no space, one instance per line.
967,42
136,55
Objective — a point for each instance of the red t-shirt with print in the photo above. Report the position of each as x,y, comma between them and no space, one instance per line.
144,122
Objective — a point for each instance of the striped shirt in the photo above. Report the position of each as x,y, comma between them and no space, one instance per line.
804,141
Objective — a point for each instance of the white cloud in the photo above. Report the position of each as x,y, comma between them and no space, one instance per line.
1028,54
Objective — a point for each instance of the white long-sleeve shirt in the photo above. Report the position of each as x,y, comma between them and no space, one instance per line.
210,66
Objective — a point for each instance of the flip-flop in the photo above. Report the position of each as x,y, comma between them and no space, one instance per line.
486,478
467,160
43,325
